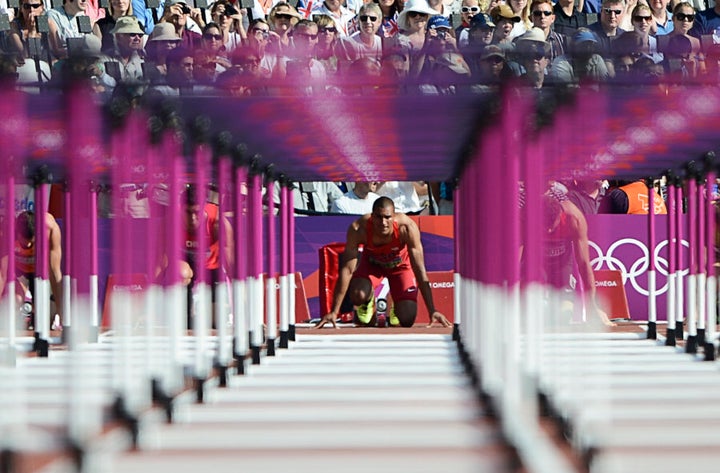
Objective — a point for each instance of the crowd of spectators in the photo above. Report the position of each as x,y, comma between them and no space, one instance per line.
436,45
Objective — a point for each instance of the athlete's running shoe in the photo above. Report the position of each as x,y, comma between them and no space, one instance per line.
366,311
392,318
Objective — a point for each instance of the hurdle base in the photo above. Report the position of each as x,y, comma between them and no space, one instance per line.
456,332
670,337
291,332
270,350
284,339
709,351
652,331
239,365
222,372
199,384
41,347
679,330
121,414
701,337
691,345
255,355
77,453
160,397
8,461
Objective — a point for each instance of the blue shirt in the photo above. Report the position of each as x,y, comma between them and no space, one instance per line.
661,30
592,6
705,22
144,15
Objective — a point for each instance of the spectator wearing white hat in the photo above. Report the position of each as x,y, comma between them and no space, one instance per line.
533,53
413,22
128,53
161,41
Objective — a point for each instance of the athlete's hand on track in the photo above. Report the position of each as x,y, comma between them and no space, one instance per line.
331,317
438,317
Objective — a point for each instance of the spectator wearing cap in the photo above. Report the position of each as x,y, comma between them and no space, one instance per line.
533,54
390,12
480,34
395,65
468,10
104,25
568,18
608,28
177,13
343,17
491,69
85,63
413,23
282,19
128,52
505,20
582,63
522,9
543,17
65,18
161,41
439,38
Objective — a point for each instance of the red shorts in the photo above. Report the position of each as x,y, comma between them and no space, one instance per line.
403,285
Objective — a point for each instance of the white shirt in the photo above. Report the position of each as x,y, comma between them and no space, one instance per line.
350,203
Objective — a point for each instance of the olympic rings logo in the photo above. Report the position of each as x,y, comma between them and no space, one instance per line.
639,266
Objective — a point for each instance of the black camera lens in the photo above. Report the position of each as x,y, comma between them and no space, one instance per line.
185,9
231,11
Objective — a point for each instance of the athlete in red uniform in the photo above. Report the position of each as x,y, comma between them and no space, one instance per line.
25,260
392,249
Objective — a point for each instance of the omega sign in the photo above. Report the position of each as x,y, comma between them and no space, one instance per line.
442,285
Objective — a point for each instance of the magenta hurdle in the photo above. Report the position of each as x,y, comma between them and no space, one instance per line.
672,253
652,292
691,302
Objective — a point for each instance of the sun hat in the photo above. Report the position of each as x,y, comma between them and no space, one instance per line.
164,32
127,25
419,6
504,12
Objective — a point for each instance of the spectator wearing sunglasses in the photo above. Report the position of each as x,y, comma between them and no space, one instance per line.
491,69
326,49
543,17
642,21
608,28
24,28
282,19
217,55
684,18
343,17
259,41
468,10
365,43
390,12
568,18
128,53
662,21
533,54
